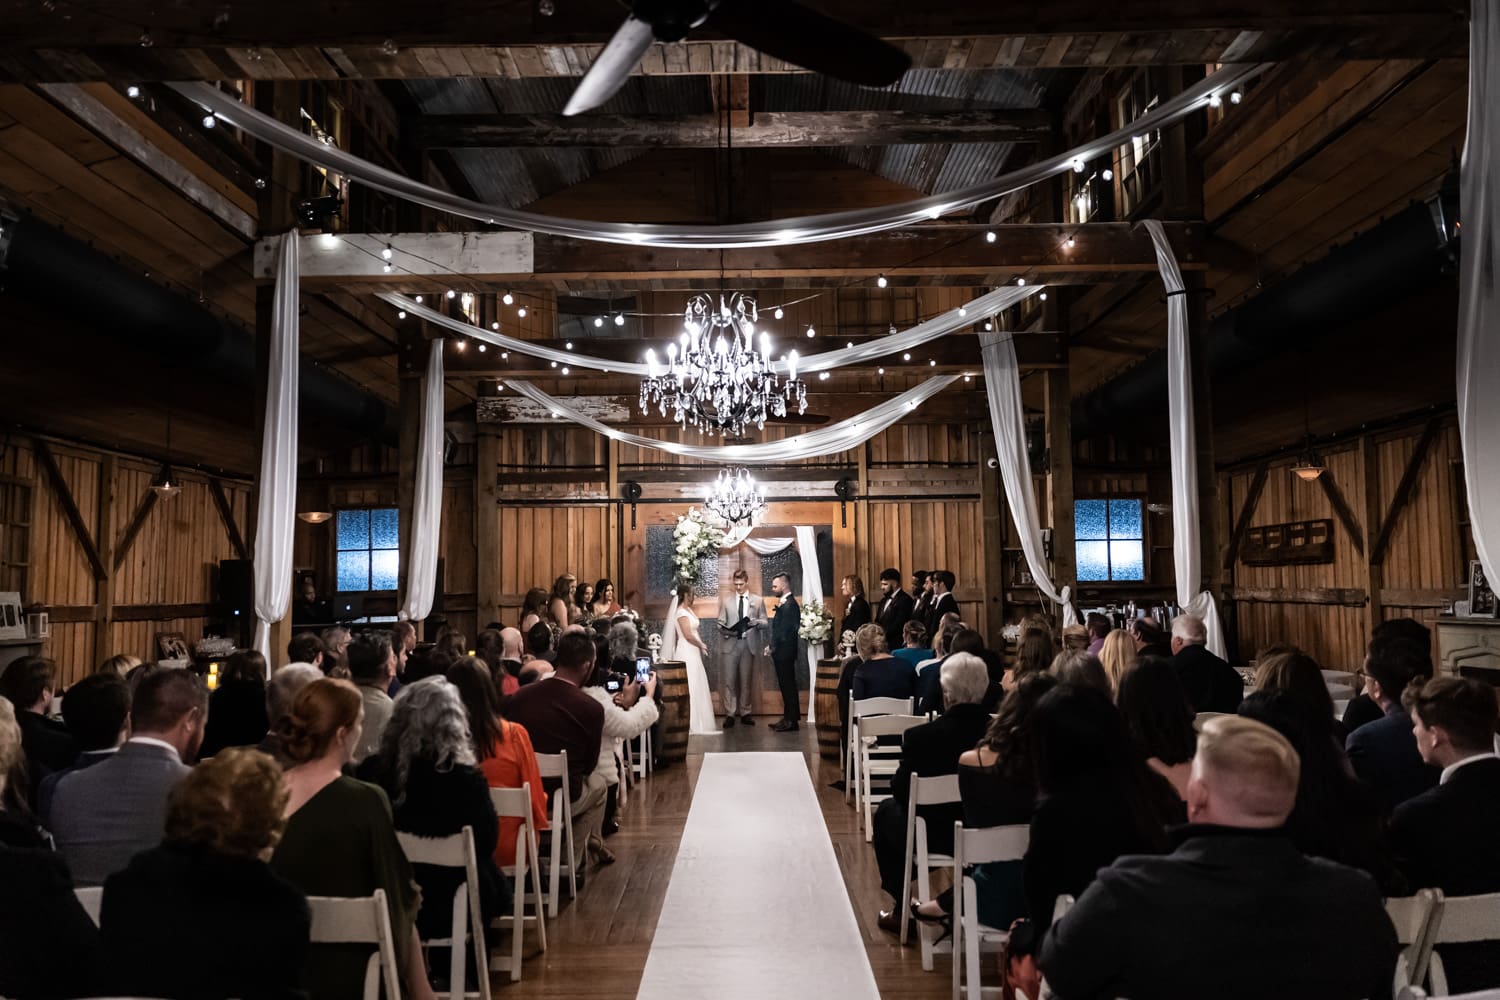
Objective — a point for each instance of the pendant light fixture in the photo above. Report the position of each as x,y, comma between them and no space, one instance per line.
166,484
1309,463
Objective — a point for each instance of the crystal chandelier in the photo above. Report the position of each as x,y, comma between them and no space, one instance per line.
714,378
735,497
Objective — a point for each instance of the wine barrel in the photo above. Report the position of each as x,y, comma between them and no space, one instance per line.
826,709
671,676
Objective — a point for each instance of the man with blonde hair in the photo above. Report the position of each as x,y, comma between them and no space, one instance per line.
1236,910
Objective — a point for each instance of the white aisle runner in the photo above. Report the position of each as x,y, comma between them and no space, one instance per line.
756,907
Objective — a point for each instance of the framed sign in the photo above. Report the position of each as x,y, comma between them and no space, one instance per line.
1482,602
12,620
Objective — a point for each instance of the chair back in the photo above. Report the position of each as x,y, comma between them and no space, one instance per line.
512,803
1061,905
862,707
889,725
1465,919
1415,919
1202,717
444,852
992,843
90,898
360,920
939,790
555,765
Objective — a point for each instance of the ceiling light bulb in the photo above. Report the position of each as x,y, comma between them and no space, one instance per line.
554,364
1069,242
495,325
989,325
906,356
132,91
810,331
880,371
569,345
598,321
419,300
330,239
1043,296
619,319
565,371
521,312
822,376
779,313
1078,165
482,348
1214,100
386,267
880,282
461,345
1107,174
963,310
508,298
1235,97
932,363
990,237
452,294
1021,282
849,344
386,253
208,121
401,314
504,355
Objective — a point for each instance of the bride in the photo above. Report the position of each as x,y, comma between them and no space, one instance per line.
681,641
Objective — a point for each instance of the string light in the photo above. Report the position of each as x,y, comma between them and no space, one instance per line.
565,371
619,319
1107,174
521,312
1235,97
554,364
569,345
1078,165
849,344
779,313
504,355
330,239
963,310
419,300
1043,296
1020,282
906,356
401,314
598,322
495,325
132,91
461,345
1214,101
990,237
880,371
810,331
508,298
822,376
880,282
932,363
989,325
452,294
386,253
482,348
1068,243
387,267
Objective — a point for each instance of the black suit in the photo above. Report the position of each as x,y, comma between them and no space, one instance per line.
48,945
857,613
929,750
1229,914
784,625
1384,755
46,742
892,614
1212,685
940,606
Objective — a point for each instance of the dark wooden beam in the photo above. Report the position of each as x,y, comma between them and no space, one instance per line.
1341,508
143,509
1348,597
1252,500
226,515
1404,490
69,507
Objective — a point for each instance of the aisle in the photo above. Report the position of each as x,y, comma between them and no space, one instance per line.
756,905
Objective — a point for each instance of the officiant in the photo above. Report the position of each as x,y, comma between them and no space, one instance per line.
741,617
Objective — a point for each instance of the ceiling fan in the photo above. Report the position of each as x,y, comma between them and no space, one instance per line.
783,29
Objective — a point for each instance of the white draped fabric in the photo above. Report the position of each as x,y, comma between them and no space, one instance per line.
277,487
828,440
669,631
1478,311
1002,383
427,508
1186,528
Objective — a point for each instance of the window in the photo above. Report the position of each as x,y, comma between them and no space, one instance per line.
1138,162
369,549
1111,545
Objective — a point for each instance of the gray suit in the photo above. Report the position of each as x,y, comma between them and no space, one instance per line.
737,653
104,815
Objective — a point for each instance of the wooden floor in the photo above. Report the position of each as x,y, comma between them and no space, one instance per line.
597,946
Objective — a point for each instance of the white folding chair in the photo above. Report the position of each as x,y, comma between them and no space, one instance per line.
1415,919
516,803
456,851
1460,920
857,710
1417,993
642,761
560,838
970,937
1202,717
940,790
361,920
90,897
877,760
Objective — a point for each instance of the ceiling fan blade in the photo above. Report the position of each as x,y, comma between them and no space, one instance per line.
796,34
609,72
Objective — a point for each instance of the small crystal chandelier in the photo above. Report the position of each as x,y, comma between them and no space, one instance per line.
735,497
714,377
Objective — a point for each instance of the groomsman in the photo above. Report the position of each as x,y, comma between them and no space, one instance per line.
921,596
741,616
783,651
895,608
941,581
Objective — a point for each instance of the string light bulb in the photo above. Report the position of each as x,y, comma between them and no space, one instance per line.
880,282
461,345
1215,101
452,294
401,314
810,331
1107,174
619,319
1069,242
1235,97
1078,165
132,92
482,348
989,326
598,322
963,310
419,300
1021,282
386,267
990,236
208,120
1043,296
386,253
508,298
521,312
495,325
779,313
906,356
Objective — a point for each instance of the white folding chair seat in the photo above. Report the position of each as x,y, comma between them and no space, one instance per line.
879,761
970,937
360,920
516,803
1415,919
1460,920
857,710
940,790
560,852
458,852
91,898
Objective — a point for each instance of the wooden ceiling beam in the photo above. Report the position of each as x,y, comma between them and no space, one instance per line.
952,406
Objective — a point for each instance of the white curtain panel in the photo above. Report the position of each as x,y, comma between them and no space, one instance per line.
1002,383
427,508
276,491
762,546
669,631
1186,528
812,590
1478,337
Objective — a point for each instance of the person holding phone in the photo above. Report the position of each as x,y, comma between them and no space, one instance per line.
629,709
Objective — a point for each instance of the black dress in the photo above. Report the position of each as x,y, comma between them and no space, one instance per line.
236,717
187,921
989,799
48,945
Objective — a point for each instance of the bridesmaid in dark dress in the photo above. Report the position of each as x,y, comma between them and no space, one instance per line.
857,611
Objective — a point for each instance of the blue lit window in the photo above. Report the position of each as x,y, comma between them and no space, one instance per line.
1111,545
369,549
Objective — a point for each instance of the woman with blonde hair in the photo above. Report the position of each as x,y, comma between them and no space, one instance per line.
1118,656
120,664
560,604
857,611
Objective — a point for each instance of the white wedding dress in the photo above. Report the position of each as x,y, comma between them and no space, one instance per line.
701,719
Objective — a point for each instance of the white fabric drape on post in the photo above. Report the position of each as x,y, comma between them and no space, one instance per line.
669,631
1002,383
1186,528
1478,337
276,490
427,507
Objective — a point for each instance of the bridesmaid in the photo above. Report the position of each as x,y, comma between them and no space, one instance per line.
857,611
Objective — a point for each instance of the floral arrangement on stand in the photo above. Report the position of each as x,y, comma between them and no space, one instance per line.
846,643
692,539
817,623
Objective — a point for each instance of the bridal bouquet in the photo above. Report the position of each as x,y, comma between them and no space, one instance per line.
817,623
692,539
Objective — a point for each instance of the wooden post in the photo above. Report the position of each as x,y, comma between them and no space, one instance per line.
613,556
992,522
1374,571
104,590
487,524
1060,477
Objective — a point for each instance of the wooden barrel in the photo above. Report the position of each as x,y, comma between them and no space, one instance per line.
826,708
671,676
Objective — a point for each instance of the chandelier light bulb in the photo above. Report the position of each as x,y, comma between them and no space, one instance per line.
880,282
508,298
521,312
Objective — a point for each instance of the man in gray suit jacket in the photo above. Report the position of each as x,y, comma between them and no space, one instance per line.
743,614
104,815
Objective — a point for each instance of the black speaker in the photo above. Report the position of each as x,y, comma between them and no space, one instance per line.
236,597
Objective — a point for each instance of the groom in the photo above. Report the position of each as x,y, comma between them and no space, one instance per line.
783,651
741,616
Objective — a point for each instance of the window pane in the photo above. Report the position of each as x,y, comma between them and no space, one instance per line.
353,530
383,566
1125,519
1089,520
1093,560
1126,560
354,570
385,529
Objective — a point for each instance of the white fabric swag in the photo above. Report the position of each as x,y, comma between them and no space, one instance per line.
1002,383
276,490
427,508
1478,338
1186,528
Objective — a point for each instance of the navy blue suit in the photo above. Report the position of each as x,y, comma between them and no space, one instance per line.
1384,755
884,677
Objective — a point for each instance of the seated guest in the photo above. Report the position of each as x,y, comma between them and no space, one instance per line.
559,717
305,647
628,713
97,713
1384,753
1098,628
29,683
512,659
340,839
1117,656
426,766
104,815
1078,666
403,642
237,708
48,945
879,674
1362,708
539,647
1076,639
1444,837
455,645
336,640
427,661
1149,639
1096,798
284,686
1212,685
914,648
502,749
1160,720
929,751
491,650
962,640
120,664
372,664
1298,675
1034,655
1233,910
209,873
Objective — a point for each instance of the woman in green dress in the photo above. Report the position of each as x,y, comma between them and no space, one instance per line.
340,840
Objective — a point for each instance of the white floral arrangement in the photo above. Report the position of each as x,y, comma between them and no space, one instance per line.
817,623
692,539
846,642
